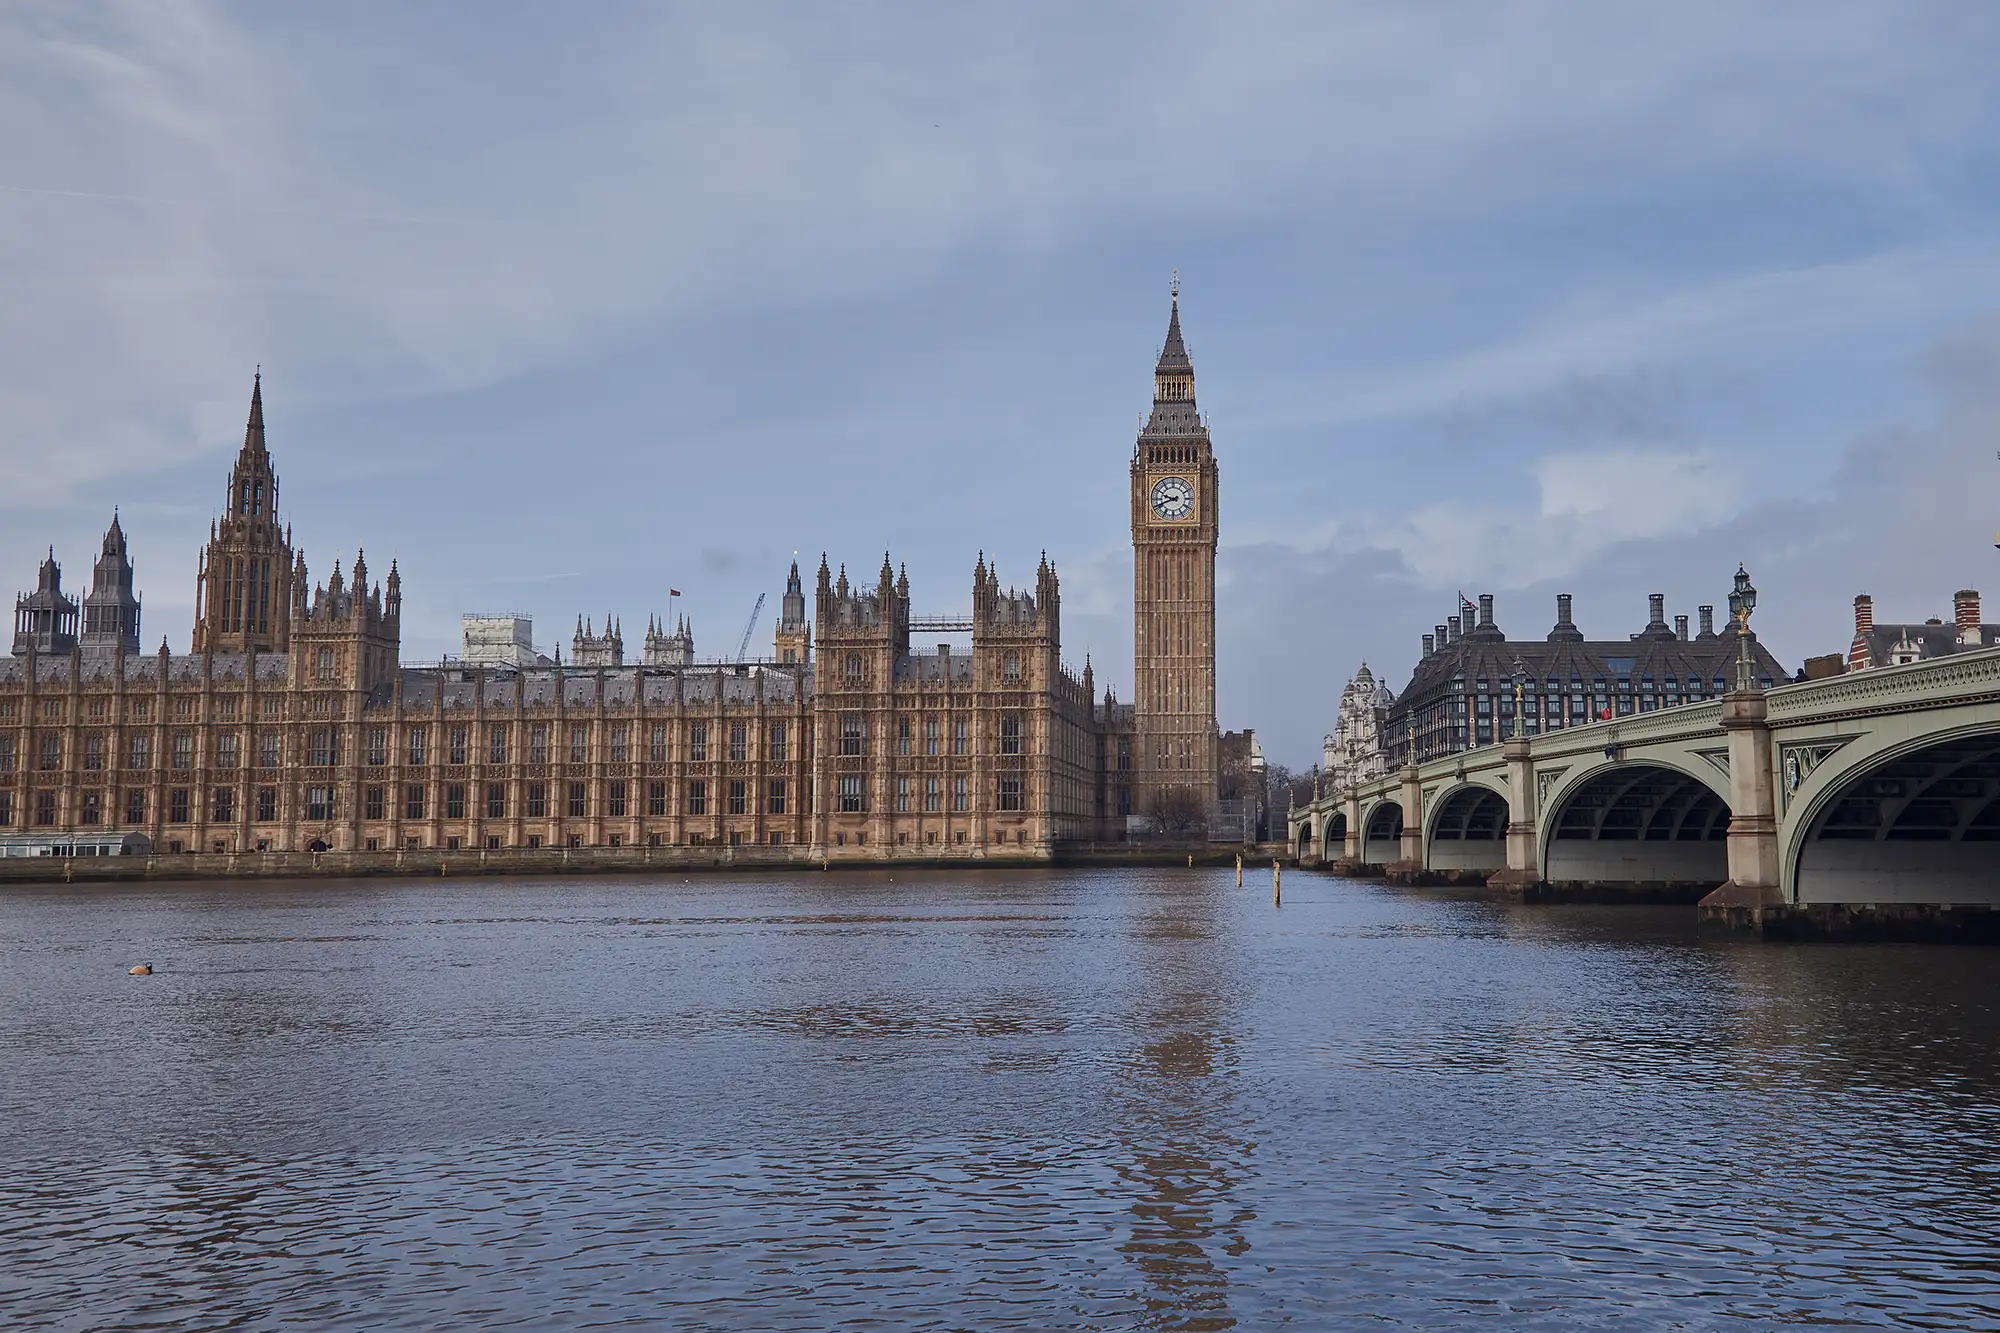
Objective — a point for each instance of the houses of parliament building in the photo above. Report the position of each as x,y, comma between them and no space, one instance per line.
292,724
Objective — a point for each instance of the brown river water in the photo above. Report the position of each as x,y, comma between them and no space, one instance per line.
1121,1099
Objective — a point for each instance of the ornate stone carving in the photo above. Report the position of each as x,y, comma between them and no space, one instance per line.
1353,752
1797,762
1545,779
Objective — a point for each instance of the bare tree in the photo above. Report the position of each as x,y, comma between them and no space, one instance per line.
1178,812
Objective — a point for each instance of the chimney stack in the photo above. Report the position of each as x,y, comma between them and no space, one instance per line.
1681,628
1456,627
1965,616
1430,645
1656,609
1486,610
1441,640
1864,614
1707,621
1565,630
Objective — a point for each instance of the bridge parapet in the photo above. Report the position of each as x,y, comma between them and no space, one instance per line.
1914,686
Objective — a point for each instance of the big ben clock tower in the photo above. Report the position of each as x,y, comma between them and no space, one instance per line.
1174,513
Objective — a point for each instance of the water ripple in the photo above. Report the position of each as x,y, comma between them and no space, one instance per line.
1090,1101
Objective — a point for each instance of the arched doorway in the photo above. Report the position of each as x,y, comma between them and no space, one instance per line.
1653,832
1381,842
1920,828
1469,831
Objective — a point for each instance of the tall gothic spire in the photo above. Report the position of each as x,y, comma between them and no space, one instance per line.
1174,413
1174,353
253,430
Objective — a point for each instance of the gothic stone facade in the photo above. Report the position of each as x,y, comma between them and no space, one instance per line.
294,725
1175,496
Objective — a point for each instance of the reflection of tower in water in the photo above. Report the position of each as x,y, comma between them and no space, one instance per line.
1187,1151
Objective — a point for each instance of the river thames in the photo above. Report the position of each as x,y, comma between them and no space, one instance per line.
1035,1100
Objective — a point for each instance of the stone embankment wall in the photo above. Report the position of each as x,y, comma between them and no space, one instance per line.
581,860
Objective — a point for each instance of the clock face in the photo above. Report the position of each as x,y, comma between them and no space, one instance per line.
1173,497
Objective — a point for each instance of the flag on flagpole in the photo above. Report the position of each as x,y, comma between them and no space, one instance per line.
673,592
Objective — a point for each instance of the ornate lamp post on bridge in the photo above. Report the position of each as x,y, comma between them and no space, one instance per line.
1520,684
1742,601
1754,886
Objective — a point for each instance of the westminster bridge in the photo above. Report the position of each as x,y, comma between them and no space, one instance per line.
1864,803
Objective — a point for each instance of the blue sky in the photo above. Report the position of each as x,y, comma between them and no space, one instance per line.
562,306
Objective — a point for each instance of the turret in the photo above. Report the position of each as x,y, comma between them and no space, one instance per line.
111,608
45,620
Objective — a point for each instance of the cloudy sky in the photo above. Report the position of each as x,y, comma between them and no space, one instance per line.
563,305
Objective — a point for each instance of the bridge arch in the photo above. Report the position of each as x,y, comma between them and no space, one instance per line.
1909,821
1333,836
1305,838
1654,825
1467,829
1381,833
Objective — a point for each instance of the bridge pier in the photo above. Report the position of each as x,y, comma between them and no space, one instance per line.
1753,891
1409,864
1523,872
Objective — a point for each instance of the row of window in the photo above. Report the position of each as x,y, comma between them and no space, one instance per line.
851,793
323,746
735,797
223,708
854,668
854,735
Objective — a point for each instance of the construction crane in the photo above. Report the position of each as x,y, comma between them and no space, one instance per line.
743,648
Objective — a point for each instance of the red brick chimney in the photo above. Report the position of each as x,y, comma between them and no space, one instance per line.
1965,615
1864,622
